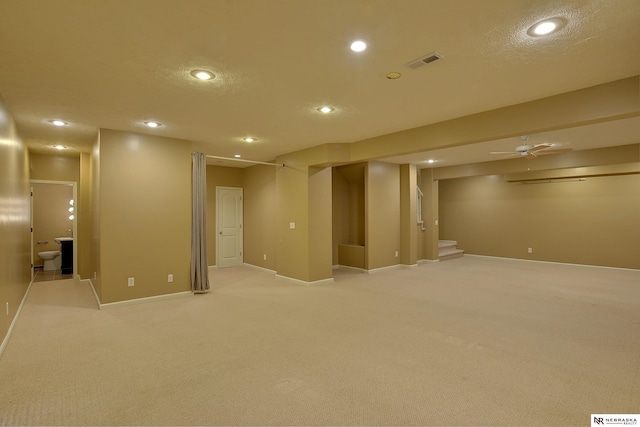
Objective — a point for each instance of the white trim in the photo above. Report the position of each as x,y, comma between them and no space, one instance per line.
425,261
348,267
302,282
389,267
212,267
135,301
5,341
553,262
95,294
259,268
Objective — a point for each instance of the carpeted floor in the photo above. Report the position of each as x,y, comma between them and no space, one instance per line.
471,341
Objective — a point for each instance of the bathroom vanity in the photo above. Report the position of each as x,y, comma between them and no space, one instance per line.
66,250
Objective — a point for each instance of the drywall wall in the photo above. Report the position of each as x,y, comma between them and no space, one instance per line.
55,167
145,215
259,184
84,217
15,241
593,222
382,217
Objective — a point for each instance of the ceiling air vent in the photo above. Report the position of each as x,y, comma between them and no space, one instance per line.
424,60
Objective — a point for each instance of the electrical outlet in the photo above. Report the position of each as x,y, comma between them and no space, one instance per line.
131,281
95,275
265,257
170,278
7,308
396,254
530,250
292,225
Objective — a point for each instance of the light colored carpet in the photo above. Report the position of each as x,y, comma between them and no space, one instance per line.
471,341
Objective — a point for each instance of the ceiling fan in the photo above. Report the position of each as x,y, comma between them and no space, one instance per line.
533,151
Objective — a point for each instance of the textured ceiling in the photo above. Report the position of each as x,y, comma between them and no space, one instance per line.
114,64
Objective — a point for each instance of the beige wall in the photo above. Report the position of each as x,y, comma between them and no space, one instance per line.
84,217
15,242
591,222
259,184
320,236
382,189
145,215
408,217
55,168
96,223
50,217
217,176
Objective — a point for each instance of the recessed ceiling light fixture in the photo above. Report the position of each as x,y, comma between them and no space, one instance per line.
546,27
152,124
431,161
325,109
237,156
202,74
358,46
249,139
58,122
393,75
59,147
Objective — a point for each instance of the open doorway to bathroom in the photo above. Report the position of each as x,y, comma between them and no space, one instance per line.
53,230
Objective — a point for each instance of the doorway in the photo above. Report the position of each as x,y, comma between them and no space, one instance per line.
53,216
229,234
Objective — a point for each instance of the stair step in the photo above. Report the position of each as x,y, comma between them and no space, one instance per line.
446,254
447,244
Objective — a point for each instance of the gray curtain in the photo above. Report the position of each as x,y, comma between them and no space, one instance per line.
199,268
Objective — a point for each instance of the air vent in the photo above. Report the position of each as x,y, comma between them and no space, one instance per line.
427,59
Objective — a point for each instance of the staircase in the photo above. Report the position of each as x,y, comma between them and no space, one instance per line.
448,249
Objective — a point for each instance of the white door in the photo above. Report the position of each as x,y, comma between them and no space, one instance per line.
229,226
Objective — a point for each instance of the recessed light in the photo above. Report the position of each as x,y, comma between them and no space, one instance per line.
431,161
58,122
237,156
394,75
59,147
358,46
325,109
202,74
249,139
546,27
152,124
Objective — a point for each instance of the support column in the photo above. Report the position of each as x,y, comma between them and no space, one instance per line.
430,214
408,220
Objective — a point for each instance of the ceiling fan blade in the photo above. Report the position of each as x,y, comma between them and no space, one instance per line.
503,152
531,155
555,151
539,147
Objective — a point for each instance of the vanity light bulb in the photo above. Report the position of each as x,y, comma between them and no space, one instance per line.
71,202
71,217
71,209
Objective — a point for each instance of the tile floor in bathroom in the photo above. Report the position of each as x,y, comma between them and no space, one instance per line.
45,276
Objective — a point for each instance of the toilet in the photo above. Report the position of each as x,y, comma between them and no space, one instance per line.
52,260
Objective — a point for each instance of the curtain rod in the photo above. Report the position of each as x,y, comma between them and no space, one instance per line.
246,161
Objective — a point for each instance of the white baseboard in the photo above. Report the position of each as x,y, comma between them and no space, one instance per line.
425,261
257,267
135,301
389,267
5,341
303,282
348,267
93,289
552,262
